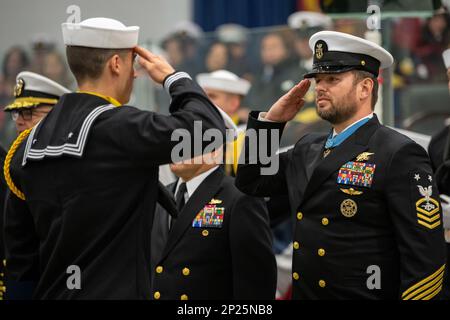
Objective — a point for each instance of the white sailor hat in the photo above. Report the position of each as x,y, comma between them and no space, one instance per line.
32,90
336,52
101,33
224,81
309,19
232,33
446,56
187,28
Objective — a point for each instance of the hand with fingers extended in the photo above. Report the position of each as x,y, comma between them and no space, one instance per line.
157,67
288,105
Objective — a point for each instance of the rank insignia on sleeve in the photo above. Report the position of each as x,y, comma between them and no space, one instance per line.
358,174
428,209
210,216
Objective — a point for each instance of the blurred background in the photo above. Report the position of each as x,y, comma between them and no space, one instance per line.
264,41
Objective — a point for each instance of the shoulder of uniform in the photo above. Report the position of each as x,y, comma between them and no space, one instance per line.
396,139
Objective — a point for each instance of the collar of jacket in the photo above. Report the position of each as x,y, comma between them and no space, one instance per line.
107,98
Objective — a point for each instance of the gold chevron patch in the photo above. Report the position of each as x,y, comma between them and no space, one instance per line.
426,288
428,213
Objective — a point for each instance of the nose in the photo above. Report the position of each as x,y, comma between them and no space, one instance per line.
320,88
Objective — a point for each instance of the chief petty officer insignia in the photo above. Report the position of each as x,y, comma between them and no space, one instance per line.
210,216
321,47
427,208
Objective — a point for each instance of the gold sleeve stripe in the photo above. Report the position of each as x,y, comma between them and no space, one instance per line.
424,287
430,220
429,226
422,282
437,286
430,296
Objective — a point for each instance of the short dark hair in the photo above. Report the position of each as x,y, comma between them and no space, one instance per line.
88,63
361,75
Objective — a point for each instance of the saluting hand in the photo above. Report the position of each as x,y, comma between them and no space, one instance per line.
288,105
157,67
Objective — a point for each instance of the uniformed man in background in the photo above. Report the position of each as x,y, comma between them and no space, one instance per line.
439,150
220,245
226,90
85,179
35,95
3,189
368,217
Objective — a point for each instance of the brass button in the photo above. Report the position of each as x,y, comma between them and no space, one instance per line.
325,221
186,271
184,297
296,245
322,283
205,233
321,252
299,216
159,269
296,276
363,63
157,295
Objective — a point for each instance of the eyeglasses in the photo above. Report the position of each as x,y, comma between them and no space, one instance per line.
26,114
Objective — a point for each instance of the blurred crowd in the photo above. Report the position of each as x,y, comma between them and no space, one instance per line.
43,58
273,59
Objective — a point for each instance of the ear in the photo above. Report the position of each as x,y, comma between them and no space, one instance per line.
115,64
365,88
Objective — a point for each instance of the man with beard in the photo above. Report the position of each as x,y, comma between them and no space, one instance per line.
367,215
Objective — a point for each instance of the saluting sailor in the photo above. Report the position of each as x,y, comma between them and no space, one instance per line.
85,179
368,219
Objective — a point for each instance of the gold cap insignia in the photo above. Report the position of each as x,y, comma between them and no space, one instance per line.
319,51
18,87
365,156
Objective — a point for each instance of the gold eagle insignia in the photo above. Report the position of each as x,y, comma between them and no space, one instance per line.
215,201
319,51
365,156
18,87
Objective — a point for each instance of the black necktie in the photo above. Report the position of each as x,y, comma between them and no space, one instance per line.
179,198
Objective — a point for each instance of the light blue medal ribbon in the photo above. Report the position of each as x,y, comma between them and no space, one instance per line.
333,142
